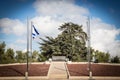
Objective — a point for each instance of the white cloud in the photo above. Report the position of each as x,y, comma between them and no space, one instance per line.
46,25
18,44
103,35
14,46
56,12
59,8
12,26
21,41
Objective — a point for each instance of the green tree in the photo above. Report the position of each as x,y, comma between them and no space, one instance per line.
2,52
41,58
47,47
115,59
20,56
35,56
9,55
107,57
102,56
70,43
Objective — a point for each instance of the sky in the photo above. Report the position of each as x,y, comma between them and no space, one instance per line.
48,15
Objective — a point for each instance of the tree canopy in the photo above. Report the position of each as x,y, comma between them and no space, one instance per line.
70,43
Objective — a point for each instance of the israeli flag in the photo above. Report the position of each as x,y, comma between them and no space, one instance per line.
34,32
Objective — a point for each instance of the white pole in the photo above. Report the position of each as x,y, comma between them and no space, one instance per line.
89,51
31,40
26,73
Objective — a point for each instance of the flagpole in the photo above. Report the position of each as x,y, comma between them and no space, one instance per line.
88,50
31,39
26,73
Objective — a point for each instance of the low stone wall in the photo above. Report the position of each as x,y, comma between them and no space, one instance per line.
58,58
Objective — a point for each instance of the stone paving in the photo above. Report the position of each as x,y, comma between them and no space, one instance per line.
57,70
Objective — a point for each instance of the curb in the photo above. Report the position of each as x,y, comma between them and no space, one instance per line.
68,74
23,78
94,78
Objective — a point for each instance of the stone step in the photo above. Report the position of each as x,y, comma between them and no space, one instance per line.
64,76
57,70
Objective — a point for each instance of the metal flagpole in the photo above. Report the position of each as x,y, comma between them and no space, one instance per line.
31,40
26,73
89,52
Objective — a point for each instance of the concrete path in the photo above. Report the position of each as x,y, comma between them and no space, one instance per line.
57,70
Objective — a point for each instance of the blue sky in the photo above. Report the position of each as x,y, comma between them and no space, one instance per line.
107,10
48,15
16,8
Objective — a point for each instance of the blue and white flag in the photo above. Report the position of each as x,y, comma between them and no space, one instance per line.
34,32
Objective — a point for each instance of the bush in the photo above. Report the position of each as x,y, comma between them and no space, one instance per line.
115,59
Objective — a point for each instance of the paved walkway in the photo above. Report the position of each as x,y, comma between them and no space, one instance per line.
57,70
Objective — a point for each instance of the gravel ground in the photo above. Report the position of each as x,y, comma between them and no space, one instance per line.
74,70
19,70
97,70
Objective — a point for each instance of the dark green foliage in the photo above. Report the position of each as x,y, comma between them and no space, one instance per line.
6,56
41,58
2,51
102,56
70,43
20,56
115,59
9,56
35,56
